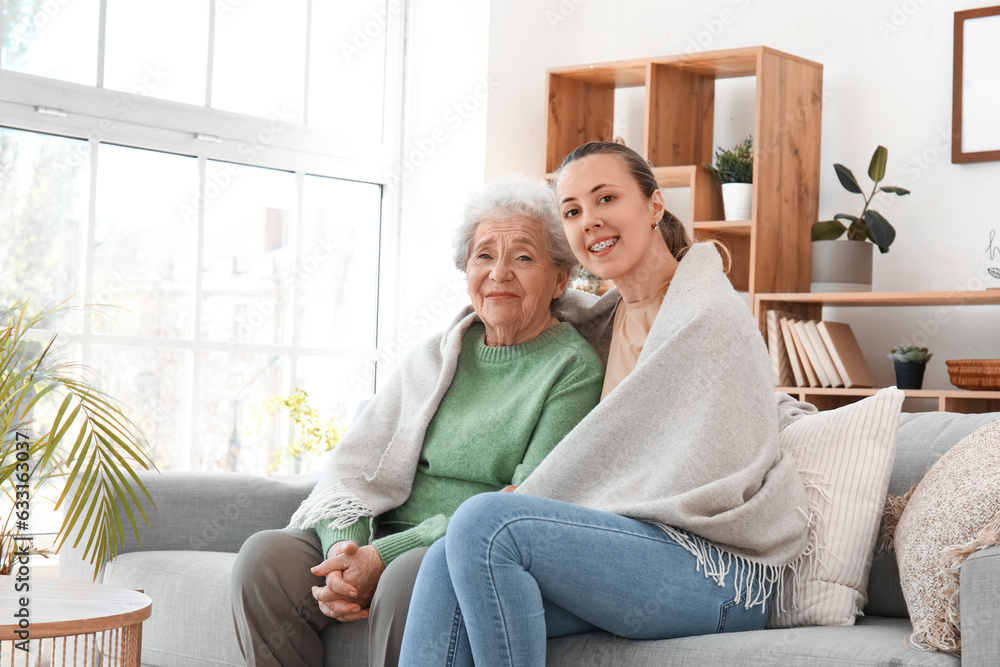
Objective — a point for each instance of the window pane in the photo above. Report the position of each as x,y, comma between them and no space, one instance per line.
158,48
259,61
145,241
233,384
247,279
53,39
338,272
154,385
44,182
336,387
347,67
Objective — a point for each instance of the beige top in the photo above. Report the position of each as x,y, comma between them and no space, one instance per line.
631,326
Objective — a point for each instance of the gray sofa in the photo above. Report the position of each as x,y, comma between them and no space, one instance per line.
186,553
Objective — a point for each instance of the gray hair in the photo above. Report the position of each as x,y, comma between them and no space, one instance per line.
512,196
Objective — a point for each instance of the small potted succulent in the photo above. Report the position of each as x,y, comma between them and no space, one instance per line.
734,168
910,362
846,266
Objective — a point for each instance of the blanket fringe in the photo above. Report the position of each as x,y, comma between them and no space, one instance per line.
335,503
754,582
945,633
813,561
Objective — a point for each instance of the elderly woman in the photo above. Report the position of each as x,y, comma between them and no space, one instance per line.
475,408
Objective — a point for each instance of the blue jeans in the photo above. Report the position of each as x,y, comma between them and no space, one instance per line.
514,569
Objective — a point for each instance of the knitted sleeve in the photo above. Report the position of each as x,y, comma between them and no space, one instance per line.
359,532
571,398
423,534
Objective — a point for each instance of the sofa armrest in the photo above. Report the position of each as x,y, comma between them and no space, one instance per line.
201,511
979,592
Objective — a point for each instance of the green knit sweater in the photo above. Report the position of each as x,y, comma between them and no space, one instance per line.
506,409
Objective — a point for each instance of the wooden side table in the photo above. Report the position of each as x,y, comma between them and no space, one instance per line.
72,623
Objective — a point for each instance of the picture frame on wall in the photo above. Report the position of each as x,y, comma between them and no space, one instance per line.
976,86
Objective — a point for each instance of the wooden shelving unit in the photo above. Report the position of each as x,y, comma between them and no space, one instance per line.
810,306
771,251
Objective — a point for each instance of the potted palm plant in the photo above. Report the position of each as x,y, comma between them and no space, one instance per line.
846,265
734,168
62,434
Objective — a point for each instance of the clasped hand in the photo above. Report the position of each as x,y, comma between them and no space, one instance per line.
352,573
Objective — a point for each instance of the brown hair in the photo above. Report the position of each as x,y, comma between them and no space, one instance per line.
671,228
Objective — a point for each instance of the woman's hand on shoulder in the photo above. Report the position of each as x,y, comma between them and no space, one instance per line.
510,488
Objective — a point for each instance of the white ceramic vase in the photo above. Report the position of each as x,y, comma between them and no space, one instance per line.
841,266
737,200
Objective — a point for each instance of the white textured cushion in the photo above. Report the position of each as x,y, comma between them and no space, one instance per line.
845,458
952,513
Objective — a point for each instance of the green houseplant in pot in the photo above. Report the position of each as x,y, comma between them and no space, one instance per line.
846,266
62,435
909,362
734,168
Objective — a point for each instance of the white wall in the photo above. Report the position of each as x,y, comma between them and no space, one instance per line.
887,80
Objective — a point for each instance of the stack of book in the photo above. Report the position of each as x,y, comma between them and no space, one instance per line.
811,353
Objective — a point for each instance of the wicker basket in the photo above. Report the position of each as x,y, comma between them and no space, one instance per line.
980,374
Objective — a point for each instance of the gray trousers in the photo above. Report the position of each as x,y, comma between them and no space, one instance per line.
278,622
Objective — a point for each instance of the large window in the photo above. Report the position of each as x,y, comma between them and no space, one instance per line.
211,172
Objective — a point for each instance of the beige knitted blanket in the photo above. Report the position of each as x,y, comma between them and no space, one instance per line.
689,440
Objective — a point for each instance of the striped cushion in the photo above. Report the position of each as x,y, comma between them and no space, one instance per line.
845,458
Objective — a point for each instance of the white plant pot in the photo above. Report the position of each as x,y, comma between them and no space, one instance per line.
841,266
737,200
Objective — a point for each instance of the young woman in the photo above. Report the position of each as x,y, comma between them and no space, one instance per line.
669,510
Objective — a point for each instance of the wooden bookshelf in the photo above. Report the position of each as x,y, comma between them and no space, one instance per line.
810,306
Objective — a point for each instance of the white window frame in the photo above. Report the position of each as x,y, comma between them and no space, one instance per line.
101,116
